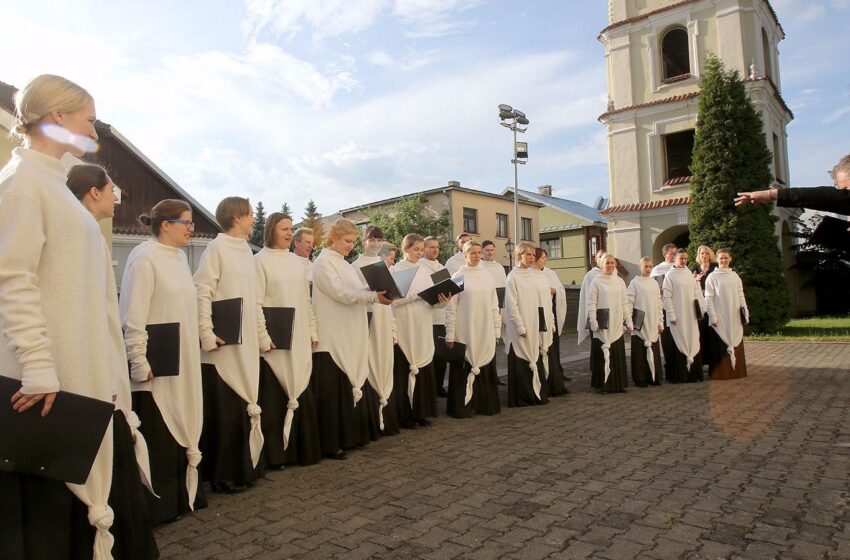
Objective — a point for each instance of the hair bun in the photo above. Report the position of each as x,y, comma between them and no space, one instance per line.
145,220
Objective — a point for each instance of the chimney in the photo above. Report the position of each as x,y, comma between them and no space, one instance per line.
454,183
545,190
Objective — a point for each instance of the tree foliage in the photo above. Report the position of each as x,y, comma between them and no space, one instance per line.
259,225
285,209
412,215
827,268
730,155
313,220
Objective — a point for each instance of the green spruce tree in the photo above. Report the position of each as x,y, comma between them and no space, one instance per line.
285,209
730,155
313,220
259,225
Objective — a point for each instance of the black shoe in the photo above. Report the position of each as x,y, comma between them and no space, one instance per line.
227,487
409,425
441,392
424,422
338,456
499,381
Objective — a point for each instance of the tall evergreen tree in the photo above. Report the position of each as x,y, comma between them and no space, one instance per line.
285,209
730,155
259,225
313,220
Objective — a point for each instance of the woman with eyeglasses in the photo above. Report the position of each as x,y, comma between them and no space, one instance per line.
157,289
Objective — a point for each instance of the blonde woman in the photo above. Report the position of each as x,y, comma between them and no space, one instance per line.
53,307
705,265
473,319
607,312
727,315
341,358
645,300
523,307
683,301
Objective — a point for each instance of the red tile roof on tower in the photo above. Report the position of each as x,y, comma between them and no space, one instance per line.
640,206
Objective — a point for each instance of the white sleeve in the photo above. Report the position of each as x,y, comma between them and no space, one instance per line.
206,282
327,279
451,319
136,294
590,306
265,341
667,298
511,299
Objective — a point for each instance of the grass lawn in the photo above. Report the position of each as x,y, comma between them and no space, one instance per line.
812,329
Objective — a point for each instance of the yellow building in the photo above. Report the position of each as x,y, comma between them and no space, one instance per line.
655,52
484,215
571,232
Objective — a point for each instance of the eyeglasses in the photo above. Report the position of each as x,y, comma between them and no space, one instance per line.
188,223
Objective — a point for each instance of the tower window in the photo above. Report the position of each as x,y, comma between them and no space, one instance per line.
768,58
674,53
678,148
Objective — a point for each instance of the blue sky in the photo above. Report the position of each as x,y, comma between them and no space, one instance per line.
350,101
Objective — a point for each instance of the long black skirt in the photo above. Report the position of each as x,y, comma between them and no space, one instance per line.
557,380
390,412
641,375
304,447
618,378
485,391
339,428
132,527
224,439
168,464
681,373
721,366
424,392
40,519
370,427
668,346
709,348
439,365
520,386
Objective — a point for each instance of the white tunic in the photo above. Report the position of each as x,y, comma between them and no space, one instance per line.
560,297
724,296
679,292
608,291
340,303
53,305
643,294
522,300
381,340
413,321
581,321
157,288
455,262
497,272
659,271
472,318
282,282
227,271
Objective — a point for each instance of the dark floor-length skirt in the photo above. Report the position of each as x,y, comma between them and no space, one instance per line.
424,392
721,366
339,429
668,346
641,375
618,377
132,526
707,343
390,411
485,391
224,439
681,373
304,447
40,519
370,427
520,386
557,380
168,464
440,366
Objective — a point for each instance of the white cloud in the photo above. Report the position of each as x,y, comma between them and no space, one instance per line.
327,18
380,58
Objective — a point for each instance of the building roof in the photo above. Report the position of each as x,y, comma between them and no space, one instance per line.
428,192
640,206
563,227
676,5
577,209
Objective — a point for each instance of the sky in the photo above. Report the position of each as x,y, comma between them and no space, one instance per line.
350,101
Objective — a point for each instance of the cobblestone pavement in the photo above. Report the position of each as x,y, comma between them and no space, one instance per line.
753,468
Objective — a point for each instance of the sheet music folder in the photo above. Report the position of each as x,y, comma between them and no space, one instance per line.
279,324
381,279
227,320
603,318
61,446
163,353
446,287
440,275
638,315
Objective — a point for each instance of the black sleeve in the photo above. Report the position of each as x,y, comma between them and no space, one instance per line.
826,199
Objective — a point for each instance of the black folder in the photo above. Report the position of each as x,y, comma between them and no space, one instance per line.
500,294
227,320
369,318
446,287
279,323
163,352
453,355
638,315
743,312
541,319
603,318
380,279
62,445
698,310
831,233
440,275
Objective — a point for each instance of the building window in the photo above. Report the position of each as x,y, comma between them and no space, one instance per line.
470,220
768,55
678,148
674,53
552,248
777,169
594,248
527,234
501,225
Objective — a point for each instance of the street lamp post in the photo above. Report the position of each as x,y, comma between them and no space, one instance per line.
516,121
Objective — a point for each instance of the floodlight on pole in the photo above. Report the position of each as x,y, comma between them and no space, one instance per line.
517,122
